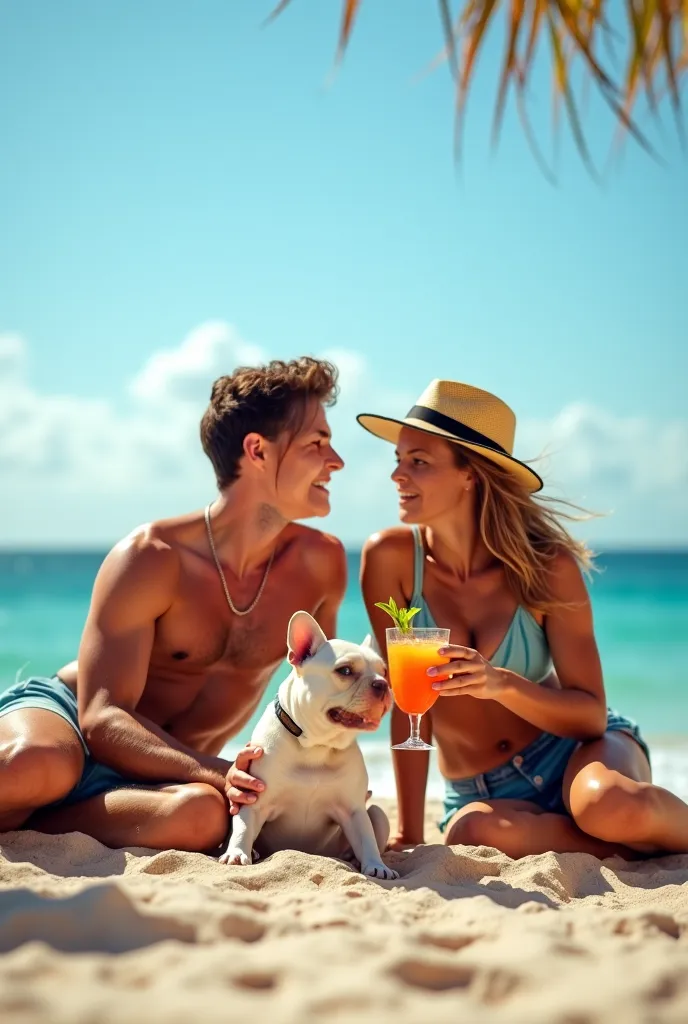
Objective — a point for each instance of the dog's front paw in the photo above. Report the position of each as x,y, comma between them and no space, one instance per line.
376,869
233,855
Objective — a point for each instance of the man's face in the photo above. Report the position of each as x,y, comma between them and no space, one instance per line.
305,466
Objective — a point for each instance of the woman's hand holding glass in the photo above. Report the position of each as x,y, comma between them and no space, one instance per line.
467,673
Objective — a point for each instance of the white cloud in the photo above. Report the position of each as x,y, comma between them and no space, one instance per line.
632,469
592,447
351,366
85,471
185,373
12,359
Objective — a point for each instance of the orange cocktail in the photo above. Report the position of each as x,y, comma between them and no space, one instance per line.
409,655
411,685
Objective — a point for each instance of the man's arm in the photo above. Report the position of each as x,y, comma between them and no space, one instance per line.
329,562
135,586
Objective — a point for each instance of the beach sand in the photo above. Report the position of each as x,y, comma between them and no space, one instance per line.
90,934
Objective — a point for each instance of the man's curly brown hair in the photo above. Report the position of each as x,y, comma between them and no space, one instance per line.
268,400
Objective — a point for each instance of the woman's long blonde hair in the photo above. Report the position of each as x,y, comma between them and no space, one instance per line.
524,532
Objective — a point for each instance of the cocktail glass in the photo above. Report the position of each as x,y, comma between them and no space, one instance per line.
409,655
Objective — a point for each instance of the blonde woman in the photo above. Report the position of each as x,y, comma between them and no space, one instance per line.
533,759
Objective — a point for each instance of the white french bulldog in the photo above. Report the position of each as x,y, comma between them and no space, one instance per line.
315,778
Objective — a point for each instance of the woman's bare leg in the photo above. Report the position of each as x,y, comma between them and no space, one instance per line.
519,828
609,791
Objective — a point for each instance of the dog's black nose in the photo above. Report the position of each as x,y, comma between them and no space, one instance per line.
379,686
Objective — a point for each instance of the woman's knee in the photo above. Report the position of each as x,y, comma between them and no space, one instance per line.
463,827
201,817
35,774
485,826
608,805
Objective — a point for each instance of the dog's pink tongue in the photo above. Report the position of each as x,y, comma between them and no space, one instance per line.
347,718
350,720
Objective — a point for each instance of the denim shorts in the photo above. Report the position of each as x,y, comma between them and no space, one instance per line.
536,773
51,694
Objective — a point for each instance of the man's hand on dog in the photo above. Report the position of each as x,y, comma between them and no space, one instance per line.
240,786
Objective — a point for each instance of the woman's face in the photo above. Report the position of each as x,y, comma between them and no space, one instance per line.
429,482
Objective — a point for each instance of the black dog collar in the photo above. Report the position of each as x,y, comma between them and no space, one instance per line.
288,723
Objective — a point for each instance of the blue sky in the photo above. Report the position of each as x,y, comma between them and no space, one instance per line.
180,179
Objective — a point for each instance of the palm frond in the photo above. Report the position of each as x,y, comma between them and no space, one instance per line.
349,10
656,32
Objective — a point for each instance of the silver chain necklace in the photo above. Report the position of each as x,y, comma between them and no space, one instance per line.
256,599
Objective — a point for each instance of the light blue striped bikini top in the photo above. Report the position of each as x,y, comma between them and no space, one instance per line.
524,650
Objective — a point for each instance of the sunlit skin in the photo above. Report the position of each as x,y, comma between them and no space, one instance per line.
464,587
486,715
166,673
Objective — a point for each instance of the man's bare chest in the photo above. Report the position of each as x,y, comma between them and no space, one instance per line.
207,667
202,637
199,630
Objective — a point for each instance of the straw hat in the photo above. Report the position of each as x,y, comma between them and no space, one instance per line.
465,415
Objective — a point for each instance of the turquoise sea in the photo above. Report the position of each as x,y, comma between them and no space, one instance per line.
640,602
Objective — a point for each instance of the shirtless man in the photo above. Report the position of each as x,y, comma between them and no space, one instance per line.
187,624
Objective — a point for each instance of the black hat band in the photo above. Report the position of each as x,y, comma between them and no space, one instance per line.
459,430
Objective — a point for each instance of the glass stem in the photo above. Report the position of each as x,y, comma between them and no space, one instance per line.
415,728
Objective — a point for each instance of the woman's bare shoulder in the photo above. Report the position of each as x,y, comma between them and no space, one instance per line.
388,555
392,542
567,580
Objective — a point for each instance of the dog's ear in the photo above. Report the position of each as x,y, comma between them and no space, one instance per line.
372,643
304,637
